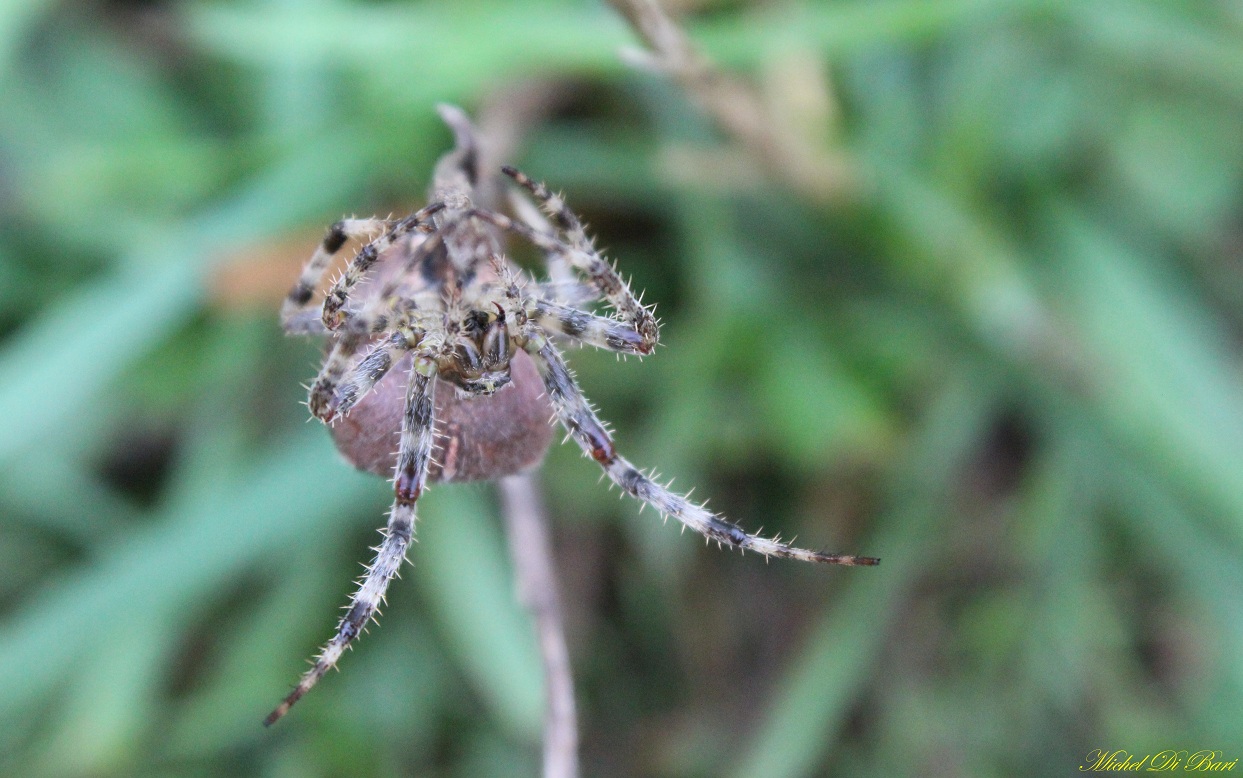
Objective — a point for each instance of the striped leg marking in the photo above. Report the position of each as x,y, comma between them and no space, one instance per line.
558,266
598,331
411,474
369,370
303,290
577,416
376,316
599,272
338,294
324,388
585,257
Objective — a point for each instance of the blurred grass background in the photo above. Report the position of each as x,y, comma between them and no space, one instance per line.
1006,360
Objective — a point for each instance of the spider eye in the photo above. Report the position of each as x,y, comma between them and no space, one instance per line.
475,322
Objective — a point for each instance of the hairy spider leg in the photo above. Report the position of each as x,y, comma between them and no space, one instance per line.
577,416
334,301
601,274
585,257
367,320
598,331
375,317
303,290
378,314
568,292
410,475
305,322
558,317
319,399
374,365
560,272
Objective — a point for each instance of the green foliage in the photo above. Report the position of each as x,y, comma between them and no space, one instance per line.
1008,364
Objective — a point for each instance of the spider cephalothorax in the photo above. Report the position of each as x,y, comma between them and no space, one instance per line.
437,341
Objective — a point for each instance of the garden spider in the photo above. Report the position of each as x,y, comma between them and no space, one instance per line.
444,306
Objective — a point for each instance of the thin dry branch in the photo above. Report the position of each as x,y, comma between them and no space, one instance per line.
536,579
741,111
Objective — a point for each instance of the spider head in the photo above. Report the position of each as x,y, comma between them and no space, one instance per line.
478,364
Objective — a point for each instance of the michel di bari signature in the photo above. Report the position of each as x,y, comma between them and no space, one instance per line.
1203,761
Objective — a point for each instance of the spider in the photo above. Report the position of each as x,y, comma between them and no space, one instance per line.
431,303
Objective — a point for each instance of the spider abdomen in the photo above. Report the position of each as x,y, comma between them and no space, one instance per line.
477,438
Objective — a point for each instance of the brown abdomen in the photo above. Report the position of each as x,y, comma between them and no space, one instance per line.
480,438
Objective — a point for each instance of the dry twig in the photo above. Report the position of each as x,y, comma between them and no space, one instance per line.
531,549
740,111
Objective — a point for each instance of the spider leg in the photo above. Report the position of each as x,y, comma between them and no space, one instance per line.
304,322
313,272
375,316
598,331
603,276
422,253
334,301
559,269
325,385
413,456
586,258
324,395
577,416
369,370
567,292
553,205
